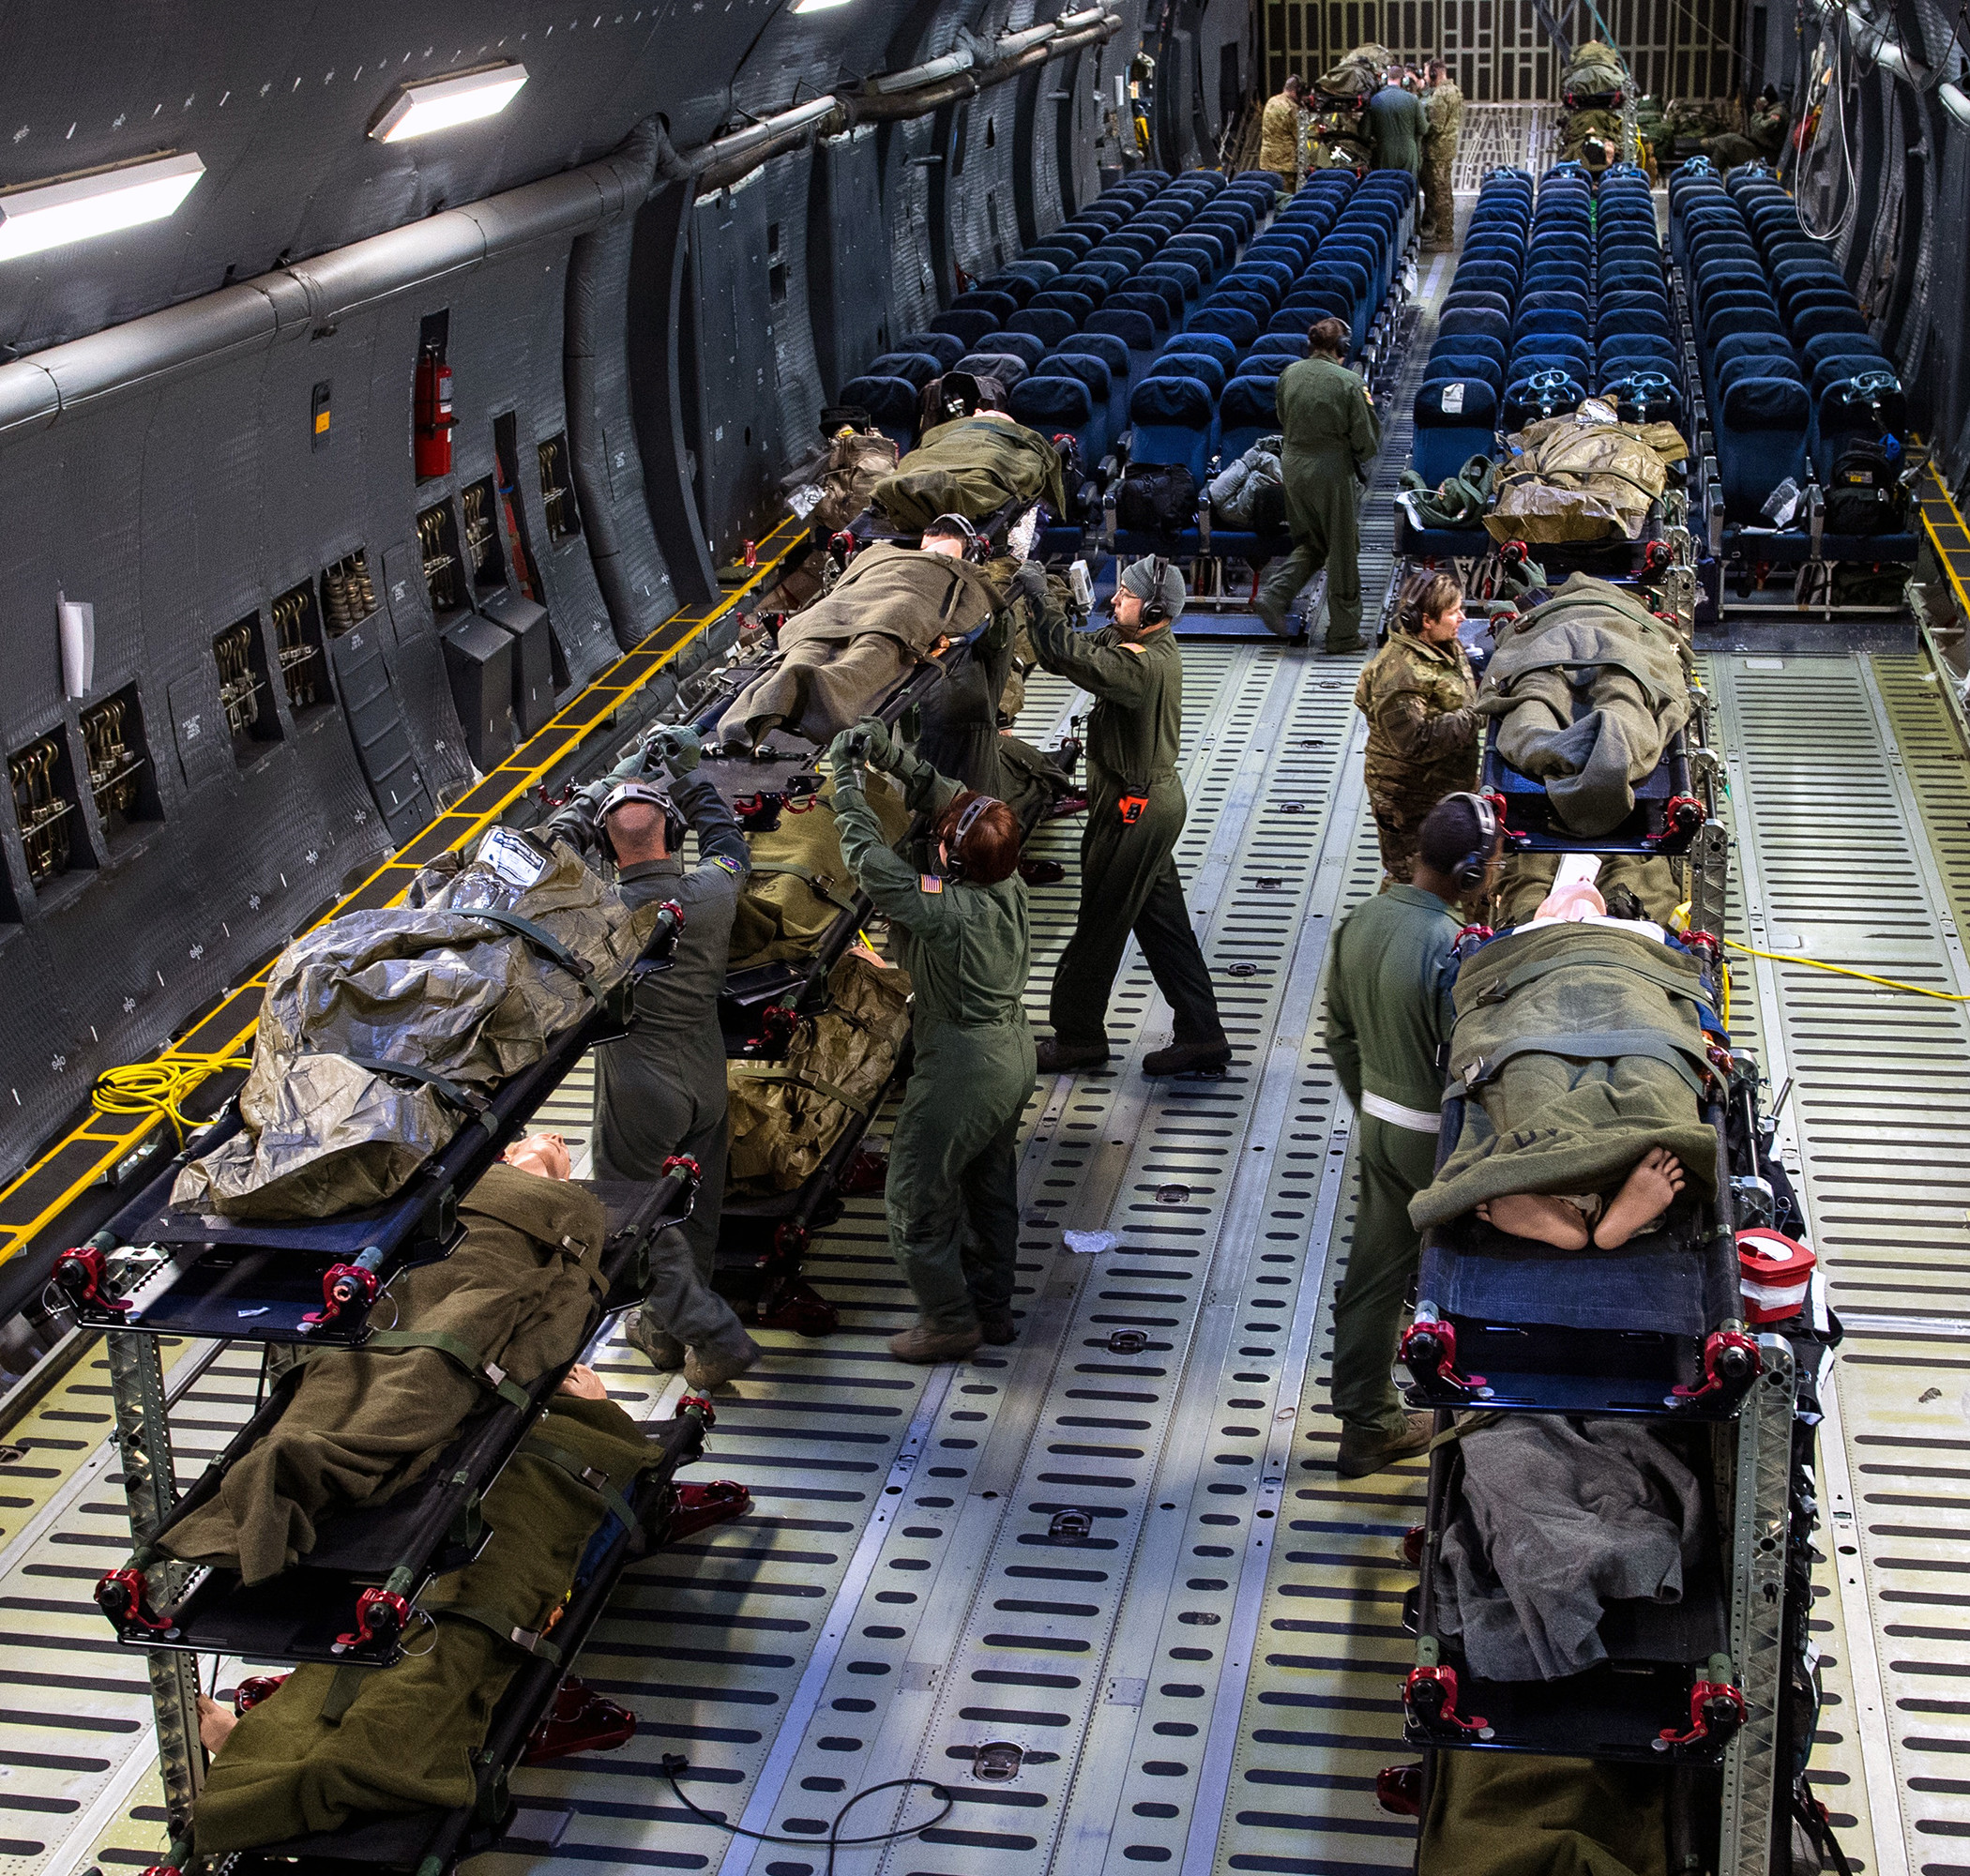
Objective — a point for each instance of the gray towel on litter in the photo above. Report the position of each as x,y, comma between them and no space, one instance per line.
1560,1519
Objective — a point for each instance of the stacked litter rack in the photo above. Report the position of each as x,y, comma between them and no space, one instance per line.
1653,1334
155,1272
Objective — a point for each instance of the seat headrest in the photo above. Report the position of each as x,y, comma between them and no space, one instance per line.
1133,329
1183,401
941,347
1236,323
1456,401
1247,400
1766,404
1052,402
889,401
1091,371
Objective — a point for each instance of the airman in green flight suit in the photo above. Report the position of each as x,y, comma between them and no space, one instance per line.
1136,811
952,1197
1332,434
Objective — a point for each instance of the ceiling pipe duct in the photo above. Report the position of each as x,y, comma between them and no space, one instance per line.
724,160
910,93
40,390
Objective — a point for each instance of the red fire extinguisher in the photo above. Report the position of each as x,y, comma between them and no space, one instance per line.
432,439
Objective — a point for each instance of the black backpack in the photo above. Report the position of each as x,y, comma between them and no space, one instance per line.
1156,498
1268,509
1862,494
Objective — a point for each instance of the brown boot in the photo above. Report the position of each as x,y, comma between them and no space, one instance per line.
715,1363
1055,1057
998,1326
1188,1058
1363,1452
663,1351
926,1344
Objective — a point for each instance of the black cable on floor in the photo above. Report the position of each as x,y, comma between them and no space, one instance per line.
673,1763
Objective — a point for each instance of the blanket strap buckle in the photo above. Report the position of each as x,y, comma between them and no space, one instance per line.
1717,1710
1429,1352
1430,1697
1730,1364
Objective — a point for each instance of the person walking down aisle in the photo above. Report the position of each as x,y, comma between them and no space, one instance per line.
1418,693
952,1197
1135,810
1278,131
1332,434
1388,1012
661,1089
1442,108
1396,124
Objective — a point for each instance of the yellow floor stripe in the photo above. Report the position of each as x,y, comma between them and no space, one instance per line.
89,1151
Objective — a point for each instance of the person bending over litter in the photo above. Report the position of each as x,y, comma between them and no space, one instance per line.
953,1196
362,1423
1582,1041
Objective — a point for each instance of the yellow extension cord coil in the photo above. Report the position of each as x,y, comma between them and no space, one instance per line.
160,1086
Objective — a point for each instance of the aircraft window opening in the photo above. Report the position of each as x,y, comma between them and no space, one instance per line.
245,690
119,761
44,803
297,640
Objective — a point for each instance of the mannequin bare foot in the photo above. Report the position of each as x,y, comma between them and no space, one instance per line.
1538,1216
1644,1196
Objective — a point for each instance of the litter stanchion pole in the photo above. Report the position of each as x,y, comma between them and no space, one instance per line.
150,1489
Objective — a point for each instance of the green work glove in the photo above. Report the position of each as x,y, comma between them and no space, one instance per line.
678,745
845,757
879,748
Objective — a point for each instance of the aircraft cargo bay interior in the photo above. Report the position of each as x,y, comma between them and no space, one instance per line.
942,941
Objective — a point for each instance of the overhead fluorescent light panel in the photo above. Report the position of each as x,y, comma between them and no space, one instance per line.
423,106
47,214
817,5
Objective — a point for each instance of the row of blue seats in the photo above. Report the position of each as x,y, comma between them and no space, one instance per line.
1137,262
1184,414
1324,256
1545,306
1790,372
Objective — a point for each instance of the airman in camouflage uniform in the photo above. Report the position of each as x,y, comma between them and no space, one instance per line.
1444,108
1422,734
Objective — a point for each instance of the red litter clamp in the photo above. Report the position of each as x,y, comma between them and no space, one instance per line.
1429,1352
1730,1364
124,1596
1429,1698
380,1615
1717,1710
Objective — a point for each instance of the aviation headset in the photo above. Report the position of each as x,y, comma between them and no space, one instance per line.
651,796
1469,872
954,866
1156,609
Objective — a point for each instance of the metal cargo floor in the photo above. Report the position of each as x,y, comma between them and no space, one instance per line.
1208,1679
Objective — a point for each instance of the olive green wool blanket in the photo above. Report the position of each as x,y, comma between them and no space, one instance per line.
1584,1048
